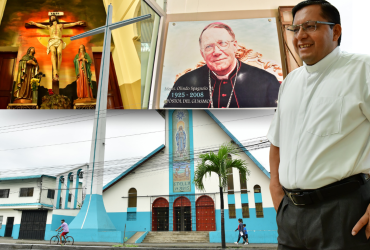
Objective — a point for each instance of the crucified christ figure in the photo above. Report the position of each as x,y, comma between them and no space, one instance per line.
55,44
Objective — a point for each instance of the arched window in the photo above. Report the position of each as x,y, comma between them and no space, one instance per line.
132,197
230,179
258,201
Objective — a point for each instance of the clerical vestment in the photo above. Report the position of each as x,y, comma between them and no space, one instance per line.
254,88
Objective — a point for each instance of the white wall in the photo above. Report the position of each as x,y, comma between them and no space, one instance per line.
47,183
14,192
149,179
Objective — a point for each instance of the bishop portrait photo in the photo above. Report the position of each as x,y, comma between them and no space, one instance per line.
231,74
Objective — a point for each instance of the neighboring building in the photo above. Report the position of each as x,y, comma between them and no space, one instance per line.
25,204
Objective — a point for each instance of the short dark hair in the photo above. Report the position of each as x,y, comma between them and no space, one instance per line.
243,225
328,11
63,220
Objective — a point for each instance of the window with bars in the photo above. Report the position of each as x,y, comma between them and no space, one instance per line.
60,202
4,193
69,197
51,193
243,183
26,192
1,221
232,212
259,210
245,210
132,197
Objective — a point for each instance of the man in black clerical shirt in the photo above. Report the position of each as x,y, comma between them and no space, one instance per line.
224,82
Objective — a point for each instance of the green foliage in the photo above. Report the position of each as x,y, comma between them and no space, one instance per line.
219,163
55,102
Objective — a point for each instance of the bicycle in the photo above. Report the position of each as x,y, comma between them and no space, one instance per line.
67,241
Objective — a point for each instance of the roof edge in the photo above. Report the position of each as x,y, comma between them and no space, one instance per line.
238,143
147,157
25,177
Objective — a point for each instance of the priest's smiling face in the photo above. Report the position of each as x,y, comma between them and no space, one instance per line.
220,58
315,45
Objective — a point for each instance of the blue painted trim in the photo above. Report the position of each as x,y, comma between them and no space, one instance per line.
244,198
155,151
170,158
67,191
231,199
59,191
191,141
131,209
25,177
257,198
238,143
25,204
142,237
76,188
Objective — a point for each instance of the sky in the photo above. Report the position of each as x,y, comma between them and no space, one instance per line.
50,142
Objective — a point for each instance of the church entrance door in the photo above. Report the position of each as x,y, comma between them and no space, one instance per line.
182,214
114,100
8,60
160,215
205,209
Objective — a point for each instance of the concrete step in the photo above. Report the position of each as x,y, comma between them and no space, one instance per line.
177,237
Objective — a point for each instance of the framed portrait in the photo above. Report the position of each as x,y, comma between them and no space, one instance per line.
221,64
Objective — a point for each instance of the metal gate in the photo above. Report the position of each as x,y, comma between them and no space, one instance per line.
33,224
182,214
160,215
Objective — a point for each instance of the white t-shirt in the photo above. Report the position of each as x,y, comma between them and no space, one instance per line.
322,122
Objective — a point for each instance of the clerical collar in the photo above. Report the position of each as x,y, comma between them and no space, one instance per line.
225,77
323,63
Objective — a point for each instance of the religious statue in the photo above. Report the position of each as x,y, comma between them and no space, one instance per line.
181,141
55,44
82,64
27,69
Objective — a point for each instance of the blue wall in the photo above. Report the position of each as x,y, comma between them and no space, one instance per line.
15,233
2,230
55,223
142,222
260,230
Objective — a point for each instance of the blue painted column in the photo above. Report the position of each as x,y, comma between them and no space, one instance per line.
77,179
58,193
67,191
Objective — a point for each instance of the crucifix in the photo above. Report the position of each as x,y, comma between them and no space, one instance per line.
55,43
93,200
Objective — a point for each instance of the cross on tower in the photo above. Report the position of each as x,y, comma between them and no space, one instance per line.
93,207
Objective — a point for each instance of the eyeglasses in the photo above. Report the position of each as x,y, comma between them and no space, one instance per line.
309,26
209,48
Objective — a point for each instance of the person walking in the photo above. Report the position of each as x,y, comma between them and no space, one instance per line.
320,139
245,232
65,231
240,230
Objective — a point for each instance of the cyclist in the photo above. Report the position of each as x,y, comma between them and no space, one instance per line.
65,231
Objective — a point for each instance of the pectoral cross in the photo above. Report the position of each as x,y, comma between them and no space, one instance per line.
93,200
55,43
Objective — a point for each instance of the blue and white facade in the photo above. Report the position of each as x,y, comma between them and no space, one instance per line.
153,181
19,194
157,193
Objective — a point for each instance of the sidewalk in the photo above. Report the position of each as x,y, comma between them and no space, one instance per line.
9,243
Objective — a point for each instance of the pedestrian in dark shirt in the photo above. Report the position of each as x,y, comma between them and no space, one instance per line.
240,228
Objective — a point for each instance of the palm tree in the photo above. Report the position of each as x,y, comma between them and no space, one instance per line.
220,164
